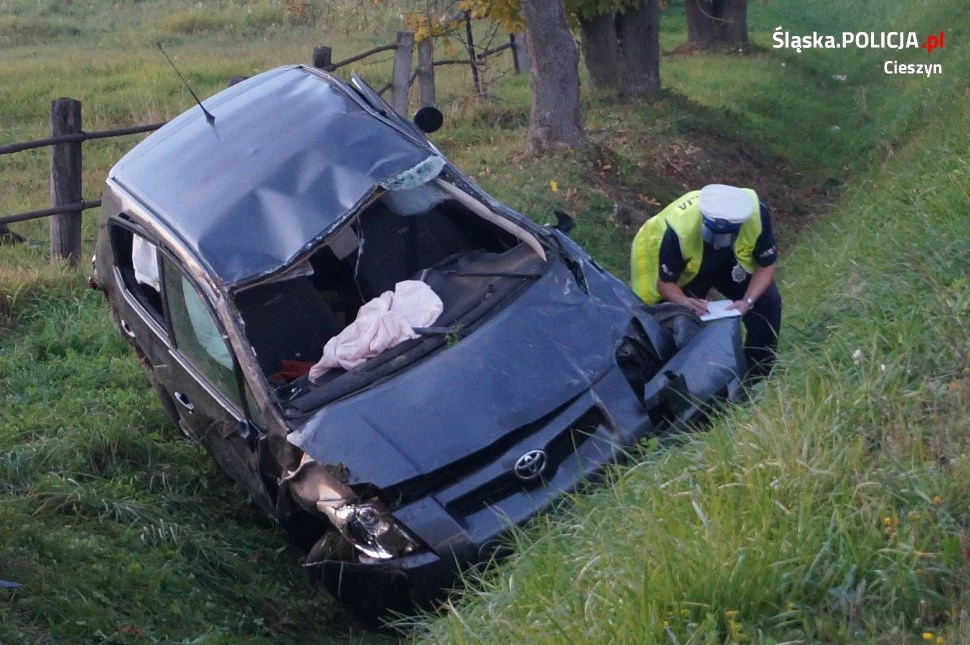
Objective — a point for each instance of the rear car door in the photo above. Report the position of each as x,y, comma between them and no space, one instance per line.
205,382
138,306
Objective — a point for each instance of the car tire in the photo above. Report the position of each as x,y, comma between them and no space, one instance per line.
364,609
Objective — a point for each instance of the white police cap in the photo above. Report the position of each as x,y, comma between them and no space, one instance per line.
718,201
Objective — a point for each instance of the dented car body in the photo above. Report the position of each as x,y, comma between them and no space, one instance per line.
233,251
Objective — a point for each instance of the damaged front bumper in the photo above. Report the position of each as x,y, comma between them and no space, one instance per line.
464,524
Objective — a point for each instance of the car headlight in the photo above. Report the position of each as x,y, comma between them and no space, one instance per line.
371,529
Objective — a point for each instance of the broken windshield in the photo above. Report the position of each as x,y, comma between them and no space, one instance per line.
424,230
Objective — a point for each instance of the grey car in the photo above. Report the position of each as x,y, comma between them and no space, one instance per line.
232,251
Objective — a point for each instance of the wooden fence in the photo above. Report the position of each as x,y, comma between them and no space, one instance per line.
66,198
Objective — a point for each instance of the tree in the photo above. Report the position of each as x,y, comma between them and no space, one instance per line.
711,22
556,121
638,36
600,49
601,22
621,43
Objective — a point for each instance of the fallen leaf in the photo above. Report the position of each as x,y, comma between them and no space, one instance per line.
130,630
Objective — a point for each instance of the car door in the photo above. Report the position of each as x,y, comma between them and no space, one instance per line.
205,381
137,305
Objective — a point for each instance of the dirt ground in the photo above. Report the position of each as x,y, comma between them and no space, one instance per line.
690,161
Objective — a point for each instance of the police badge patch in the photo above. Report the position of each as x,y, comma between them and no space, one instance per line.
738,274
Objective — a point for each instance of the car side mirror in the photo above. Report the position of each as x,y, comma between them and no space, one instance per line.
564,223
429,119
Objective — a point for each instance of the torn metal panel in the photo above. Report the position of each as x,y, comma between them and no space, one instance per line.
365,524
488,215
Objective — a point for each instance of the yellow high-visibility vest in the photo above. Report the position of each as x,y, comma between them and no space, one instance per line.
684,216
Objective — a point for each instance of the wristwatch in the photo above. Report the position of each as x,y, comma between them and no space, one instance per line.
749,301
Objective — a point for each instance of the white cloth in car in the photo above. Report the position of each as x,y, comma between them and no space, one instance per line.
382,323
144,260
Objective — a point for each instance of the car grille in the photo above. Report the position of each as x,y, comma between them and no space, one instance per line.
558,449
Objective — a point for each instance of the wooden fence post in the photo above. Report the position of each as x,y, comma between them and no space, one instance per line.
520,53
515,59
426,72
66,181
401,76
322,57
6,235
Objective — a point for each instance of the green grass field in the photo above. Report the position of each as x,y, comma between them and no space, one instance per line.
832,509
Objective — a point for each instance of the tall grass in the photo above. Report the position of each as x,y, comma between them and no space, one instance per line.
119,529
834,506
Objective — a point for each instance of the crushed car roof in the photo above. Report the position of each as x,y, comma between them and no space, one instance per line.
290,153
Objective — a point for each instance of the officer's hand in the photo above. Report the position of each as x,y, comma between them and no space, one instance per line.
697,305
740,305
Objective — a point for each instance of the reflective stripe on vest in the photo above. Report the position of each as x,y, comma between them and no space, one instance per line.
684,216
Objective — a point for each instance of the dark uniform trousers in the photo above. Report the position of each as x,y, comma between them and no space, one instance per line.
762,322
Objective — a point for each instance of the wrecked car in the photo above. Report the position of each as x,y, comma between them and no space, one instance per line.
234,250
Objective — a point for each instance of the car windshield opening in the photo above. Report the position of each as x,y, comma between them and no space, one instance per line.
427,234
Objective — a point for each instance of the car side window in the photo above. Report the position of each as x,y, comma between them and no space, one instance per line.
197,335
255,415
137,261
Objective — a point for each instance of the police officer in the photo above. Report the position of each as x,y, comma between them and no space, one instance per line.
718,237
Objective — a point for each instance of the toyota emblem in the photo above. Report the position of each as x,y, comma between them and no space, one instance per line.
530,465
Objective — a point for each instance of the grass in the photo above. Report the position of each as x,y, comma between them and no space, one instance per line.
116,525
834,509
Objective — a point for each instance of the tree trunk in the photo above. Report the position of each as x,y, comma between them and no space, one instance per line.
700,23
600,50
638,31
523,63
732,26
716,21
556,121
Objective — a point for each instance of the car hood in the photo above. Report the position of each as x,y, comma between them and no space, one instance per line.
535,355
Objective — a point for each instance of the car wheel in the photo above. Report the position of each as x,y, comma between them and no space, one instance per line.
364,608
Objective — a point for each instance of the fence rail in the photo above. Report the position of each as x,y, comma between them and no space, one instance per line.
67,203
47,212
325,64
79,137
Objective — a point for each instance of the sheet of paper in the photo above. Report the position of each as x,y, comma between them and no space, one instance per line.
717,309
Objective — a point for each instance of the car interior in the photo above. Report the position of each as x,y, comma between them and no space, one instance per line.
148,296
418,234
